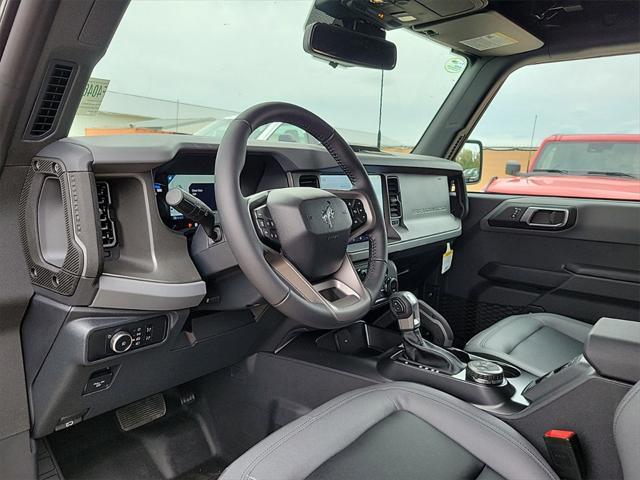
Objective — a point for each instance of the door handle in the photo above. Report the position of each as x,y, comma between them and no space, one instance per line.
533,217
545,217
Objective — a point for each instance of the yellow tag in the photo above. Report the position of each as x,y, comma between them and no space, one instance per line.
447,259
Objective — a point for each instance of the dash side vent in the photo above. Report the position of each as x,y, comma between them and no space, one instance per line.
50,100
107,225
309,181
395,200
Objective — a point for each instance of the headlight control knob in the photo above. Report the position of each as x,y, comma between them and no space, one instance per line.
121,342
485,372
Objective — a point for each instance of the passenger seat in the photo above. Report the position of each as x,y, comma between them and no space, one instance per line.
536,342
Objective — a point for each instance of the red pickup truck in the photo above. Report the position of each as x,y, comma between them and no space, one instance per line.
587,166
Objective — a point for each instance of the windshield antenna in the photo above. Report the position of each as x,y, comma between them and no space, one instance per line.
380,112
533,132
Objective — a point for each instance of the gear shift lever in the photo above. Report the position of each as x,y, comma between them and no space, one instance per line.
404,307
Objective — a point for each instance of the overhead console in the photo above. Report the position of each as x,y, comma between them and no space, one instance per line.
483,34
462,25
402,13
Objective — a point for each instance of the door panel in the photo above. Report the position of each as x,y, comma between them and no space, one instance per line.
586,269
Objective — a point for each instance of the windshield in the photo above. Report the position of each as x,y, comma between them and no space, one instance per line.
190,67
591,158
217,128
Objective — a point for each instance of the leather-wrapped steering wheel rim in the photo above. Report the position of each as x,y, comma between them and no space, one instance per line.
275,278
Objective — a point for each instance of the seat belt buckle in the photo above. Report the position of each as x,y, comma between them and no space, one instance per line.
565,454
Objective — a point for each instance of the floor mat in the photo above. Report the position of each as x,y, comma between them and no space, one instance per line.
209,470
172,447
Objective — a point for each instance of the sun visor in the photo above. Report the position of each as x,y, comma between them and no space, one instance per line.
487,34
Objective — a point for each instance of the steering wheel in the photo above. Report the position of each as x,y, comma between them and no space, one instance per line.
291,243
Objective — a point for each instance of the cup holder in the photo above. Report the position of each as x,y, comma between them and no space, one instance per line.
509,370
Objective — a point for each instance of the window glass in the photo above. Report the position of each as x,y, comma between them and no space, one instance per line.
190,67
563,129
289,133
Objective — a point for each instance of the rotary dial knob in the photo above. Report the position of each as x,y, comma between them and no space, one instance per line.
485,372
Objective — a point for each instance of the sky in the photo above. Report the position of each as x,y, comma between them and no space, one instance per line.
600,95
233,54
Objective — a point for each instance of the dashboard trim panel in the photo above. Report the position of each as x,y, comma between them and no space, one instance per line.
119,292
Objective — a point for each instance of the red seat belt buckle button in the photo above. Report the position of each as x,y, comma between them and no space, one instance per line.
565,454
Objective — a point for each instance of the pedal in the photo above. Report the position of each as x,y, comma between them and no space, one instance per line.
187,396
141,412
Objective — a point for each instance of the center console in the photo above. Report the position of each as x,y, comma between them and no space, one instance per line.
590,386
504,389
405,355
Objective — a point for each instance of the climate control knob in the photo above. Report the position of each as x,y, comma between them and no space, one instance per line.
121,342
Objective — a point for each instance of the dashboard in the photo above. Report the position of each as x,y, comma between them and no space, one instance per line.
129,287
148,256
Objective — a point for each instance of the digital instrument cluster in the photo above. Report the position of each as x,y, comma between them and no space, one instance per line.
200,186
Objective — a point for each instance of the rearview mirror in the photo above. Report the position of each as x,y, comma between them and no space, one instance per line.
470,157
347,47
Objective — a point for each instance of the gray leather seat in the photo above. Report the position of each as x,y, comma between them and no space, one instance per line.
535,342
399,431
626,431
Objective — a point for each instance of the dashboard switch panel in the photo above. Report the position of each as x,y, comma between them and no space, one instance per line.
106,342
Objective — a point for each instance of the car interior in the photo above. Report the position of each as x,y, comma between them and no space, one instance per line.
309,310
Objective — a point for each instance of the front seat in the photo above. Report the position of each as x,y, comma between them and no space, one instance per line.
399,431
535,342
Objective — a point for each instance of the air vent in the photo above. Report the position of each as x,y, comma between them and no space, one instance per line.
309,181
395,200
105,210
52,93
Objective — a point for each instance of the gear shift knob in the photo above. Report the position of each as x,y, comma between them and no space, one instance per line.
406,310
